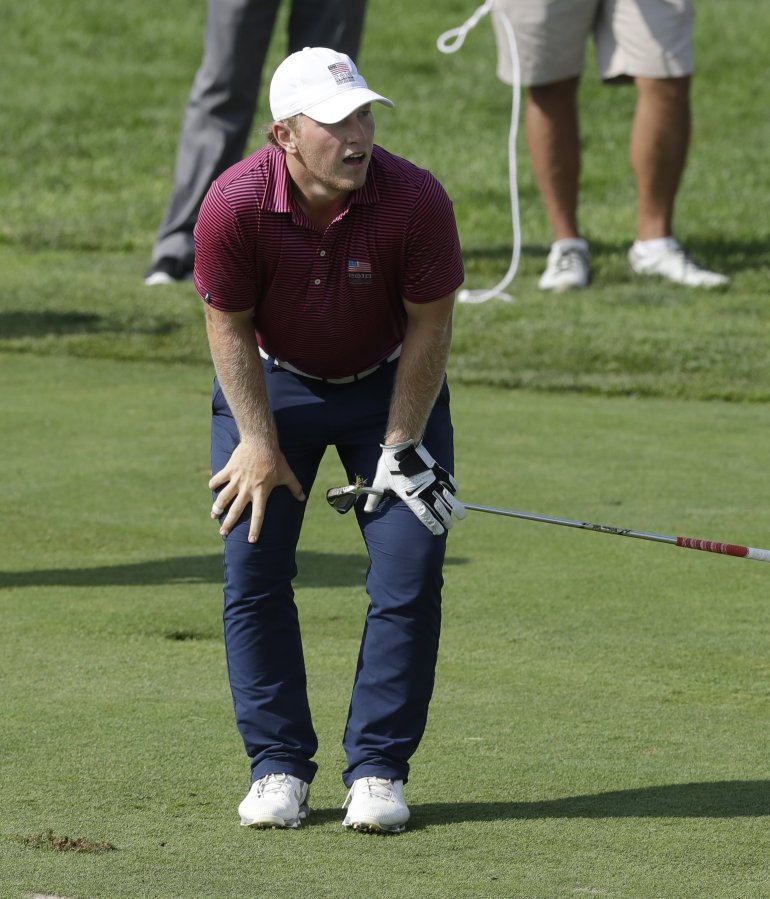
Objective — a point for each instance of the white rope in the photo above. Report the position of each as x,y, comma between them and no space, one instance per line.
459,34
450,42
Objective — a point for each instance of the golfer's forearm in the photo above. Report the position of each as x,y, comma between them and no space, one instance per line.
421,370
238,366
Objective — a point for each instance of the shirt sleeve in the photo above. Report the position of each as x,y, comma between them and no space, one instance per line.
433,258
225,274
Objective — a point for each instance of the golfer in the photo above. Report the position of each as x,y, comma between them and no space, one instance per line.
328,267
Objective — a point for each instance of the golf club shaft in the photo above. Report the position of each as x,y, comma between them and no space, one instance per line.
711,546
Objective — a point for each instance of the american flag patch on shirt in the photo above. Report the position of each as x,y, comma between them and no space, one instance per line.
341,72
359,270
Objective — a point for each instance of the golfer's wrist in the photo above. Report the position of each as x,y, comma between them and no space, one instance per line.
395,445
260,442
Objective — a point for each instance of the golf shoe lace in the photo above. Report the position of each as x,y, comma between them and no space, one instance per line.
274,784
375,788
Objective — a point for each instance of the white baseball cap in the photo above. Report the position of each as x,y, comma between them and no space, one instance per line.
320,83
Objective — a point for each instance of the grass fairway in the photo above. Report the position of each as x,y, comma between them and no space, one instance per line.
599,724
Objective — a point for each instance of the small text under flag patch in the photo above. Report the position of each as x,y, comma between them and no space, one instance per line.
359,270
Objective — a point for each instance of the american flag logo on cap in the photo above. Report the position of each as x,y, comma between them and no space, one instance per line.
341,72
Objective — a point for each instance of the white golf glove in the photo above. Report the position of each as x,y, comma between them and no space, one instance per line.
414,476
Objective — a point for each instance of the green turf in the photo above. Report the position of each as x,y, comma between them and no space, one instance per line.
600,719
599,723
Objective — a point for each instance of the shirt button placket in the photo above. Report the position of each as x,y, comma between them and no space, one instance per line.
320,269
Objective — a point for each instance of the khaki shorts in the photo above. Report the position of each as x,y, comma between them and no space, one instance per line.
647,38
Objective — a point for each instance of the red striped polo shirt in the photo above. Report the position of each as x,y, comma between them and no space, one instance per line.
329,303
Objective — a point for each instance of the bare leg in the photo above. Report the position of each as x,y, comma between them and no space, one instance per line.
660,136
554,146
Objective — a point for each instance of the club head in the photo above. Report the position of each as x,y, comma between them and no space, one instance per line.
342,499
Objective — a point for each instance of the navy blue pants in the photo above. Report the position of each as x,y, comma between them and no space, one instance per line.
396,664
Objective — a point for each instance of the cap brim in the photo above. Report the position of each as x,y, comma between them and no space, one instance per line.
337,108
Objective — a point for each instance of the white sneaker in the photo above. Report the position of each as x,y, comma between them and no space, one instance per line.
275,800
168,270
376,805
568,266
672,262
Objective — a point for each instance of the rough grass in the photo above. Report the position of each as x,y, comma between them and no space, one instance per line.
100,119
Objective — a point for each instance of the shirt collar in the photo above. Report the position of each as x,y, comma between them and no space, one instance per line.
277,197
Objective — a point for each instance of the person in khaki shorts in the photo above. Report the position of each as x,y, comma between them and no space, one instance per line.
648,42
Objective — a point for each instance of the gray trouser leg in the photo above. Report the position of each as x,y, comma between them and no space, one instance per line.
222,102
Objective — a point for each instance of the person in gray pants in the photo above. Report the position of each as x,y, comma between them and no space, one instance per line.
222,102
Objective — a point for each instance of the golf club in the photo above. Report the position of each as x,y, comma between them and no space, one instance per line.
344,498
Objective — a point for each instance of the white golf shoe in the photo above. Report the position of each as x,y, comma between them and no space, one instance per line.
672,262
376,805
275,800
568,266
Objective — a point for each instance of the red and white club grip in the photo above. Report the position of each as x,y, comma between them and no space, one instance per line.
725,549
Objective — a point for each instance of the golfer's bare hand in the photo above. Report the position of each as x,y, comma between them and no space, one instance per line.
249,477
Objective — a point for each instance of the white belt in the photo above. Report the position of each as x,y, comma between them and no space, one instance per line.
348,379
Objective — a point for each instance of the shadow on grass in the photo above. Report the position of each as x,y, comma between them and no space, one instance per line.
46,324
502,252
717,799
730,255
315,570
39,324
